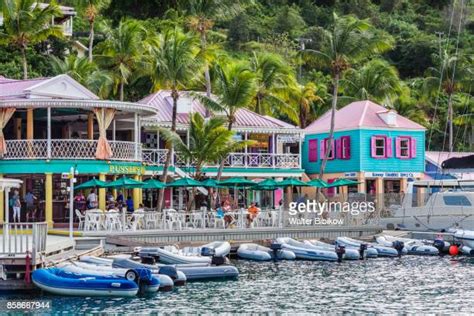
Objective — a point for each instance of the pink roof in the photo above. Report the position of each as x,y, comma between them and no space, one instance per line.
360,114
244,118
13,89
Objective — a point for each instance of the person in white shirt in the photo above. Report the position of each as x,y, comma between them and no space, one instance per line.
92,200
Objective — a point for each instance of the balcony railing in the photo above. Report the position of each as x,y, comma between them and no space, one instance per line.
243,160
69,149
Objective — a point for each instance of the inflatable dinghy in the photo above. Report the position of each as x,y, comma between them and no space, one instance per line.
58,281
260,253
349,254
382,251
305,251
412,246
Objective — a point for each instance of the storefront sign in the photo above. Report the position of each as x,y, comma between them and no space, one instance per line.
261,140
124,169
350,175
288,138
393,174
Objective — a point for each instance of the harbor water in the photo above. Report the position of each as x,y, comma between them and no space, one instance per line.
408,284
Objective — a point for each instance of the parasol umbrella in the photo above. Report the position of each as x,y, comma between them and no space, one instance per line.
94,183
341,183
211,183
237,182
184,182
126,183
267,184
153,184
318,183
292,182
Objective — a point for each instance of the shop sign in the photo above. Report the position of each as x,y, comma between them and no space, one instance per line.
124,169
261,140
350,175
392,175
288,138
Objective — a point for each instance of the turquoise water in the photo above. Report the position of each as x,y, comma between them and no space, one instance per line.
410,284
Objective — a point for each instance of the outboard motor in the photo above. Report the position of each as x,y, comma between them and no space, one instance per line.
340,251
362,249
144,278
218,261
439,244
398,245
169,271
275,247
208,252
149,259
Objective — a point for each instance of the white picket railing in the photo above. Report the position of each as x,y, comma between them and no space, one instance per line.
69,149
20,238
244,160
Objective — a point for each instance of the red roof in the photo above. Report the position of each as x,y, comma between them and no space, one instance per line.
244,118
361,114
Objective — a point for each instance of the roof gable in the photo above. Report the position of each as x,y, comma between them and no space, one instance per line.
63,87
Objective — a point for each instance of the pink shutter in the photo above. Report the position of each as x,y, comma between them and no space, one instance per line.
339,148
323,148
313,150
412,147
388,147
347,149
373,152
398,147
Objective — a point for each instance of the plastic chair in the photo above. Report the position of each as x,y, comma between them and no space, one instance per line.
81,218
174,220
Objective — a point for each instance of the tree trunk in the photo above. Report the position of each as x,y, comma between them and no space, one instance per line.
197,176
91,39
24,62
121,90
450,122
175,96
333,124
207,75
221,166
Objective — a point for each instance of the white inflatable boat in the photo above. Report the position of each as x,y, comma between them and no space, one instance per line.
349,254
167,281
260,253
466,237
187,255
412,246
305,251
382,251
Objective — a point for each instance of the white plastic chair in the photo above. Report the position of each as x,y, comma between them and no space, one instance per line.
138,220
81,219
174,220
113,221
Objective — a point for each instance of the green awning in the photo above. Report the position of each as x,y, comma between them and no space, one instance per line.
267,184
210,183
237,182
94,183
341,183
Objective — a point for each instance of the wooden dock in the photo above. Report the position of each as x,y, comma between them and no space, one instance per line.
156,237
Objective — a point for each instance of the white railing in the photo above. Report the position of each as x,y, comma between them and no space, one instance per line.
20,238
244,160
69,149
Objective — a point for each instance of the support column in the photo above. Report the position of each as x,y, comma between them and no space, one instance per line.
90,126
158,139
7,205
361,186
2,213
136,194
300,151
135,137
17,125
48,132
29,124
246,135
379,192
48,199
102,198
403,184
114,129
114,191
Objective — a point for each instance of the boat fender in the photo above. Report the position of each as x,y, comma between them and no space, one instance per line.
398,245
362,249
340,251
276,248
439,244
218,261
208,252
169,271
454,249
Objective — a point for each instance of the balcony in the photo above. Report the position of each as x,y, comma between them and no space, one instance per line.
74,149
234,160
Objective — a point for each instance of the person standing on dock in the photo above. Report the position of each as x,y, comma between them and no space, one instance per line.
16,204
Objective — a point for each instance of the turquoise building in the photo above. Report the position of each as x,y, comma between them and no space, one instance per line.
373,145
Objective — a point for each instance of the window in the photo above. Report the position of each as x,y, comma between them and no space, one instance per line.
404,148
331,148
456,200
380,147
345,147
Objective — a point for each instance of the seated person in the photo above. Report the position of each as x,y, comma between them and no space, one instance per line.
129,203
252,213
228,219
220,212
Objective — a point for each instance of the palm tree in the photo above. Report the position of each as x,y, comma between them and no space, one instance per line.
348,41
209,142
235,89
303,96
25,23
175,62
79,68
91,10
202,16
377,80
454,75
122,52
273,76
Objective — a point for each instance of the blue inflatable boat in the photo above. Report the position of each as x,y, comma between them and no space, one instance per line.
58,281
